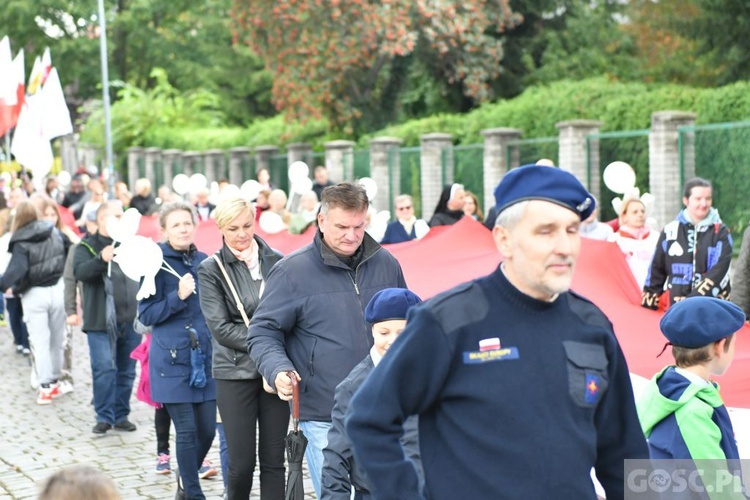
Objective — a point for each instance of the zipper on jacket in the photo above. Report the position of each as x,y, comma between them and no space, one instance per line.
354,281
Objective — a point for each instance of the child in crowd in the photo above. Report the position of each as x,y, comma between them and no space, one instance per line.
79,482
681,411
386,312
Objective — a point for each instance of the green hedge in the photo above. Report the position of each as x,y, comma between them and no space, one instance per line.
618,105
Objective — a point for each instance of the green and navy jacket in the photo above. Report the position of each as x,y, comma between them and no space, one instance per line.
683,420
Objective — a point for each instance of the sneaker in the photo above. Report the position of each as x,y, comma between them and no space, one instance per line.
19,349
47,394
26,351
162,464
65,387
206,470
101,428
125,425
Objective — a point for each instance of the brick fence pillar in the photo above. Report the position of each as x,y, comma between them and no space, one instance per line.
495,160
436,165
385,173
664,162
574,152
340,160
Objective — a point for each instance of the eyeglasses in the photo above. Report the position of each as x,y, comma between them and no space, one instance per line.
403,208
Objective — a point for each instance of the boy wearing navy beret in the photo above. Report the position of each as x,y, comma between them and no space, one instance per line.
681,411
386,312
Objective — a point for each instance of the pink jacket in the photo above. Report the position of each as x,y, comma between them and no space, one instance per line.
140,353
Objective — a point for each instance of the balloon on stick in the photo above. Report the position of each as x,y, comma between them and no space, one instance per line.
619,177
63,178
197,182
370,186
271,222
181,184
250,189
297,171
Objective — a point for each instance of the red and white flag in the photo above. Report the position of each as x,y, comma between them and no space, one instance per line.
12,92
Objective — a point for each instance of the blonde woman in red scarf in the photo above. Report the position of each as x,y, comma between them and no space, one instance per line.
635,238
232,283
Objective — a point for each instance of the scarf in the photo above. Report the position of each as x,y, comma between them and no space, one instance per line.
408,224
250,257
636,233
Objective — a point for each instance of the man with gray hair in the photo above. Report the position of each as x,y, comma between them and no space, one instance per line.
519,383
109,308
310,320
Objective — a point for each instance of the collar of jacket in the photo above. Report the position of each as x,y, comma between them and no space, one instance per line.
38,230
168,251
98,241
369,246
264,252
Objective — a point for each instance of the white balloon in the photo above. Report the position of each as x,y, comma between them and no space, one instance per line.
421,228
619,177
197,182
371,187
181,184
271,222
648,200
250,189
229,191
213,193
545,162
378,224
301,185
63,178
298,170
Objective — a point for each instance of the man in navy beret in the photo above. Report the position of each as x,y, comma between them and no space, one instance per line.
520,384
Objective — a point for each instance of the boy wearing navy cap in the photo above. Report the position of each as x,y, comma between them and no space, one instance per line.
386,312
681,411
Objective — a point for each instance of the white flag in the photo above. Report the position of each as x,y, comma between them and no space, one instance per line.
30,147
56,120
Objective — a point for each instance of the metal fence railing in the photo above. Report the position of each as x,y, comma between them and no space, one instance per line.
721,156
525,151
630,146
248,167
408,161
278,170
468,169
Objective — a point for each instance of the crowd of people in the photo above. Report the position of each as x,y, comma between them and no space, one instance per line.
399,398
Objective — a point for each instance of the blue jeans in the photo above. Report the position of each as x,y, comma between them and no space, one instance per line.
195,428
17,326
113,372
317,439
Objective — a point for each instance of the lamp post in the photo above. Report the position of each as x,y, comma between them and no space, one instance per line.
105,96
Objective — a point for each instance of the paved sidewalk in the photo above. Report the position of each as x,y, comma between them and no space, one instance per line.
35,441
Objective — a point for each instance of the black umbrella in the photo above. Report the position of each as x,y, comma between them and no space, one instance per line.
296,442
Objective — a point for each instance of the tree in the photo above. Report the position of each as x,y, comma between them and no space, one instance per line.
342,59
719,28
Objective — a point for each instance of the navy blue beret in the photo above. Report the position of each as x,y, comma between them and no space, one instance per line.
535,182
699,321
390,303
